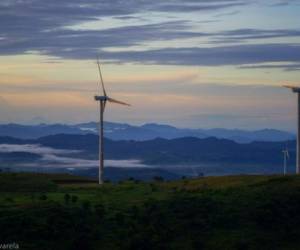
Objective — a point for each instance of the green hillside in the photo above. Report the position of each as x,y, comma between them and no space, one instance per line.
40,211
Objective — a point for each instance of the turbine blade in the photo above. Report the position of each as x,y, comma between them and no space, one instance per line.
118,102
288,86
101,78
292,87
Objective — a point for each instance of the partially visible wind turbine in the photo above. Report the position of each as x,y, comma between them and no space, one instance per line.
102,99
296,89
286,156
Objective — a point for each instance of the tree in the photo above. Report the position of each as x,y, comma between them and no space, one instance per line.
67,198
158,178
100,210
74,198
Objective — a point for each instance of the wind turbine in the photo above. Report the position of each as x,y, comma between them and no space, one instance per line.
102,99
296,89
286,156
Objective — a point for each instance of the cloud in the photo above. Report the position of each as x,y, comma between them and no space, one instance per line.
241,35
212,56
37,16
44,27
196,6
86,43
280,3
33,148
285,67
57,157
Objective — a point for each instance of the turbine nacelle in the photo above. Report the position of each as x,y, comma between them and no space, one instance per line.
100,98
106,98
295,89
286,153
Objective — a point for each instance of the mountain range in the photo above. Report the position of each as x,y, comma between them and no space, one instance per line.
119,131
159,151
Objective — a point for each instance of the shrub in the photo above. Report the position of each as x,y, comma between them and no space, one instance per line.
8,199
43,197
86,205
153,187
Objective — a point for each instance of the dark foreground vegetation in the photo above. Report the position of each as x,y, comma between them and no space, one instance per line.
39,211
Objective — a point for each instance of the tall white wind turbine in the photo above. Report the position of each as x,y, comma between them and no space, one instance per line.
102,99
296,90
286,156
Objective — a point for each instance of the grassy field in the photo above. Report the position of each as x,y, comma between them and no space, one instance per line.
40,211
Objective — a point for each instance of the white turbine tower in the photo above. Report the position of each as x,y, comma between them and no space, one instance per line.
296,89
102,99
286,156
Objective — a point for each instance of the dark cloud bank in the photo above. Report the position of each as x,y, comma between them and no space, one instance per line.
37,25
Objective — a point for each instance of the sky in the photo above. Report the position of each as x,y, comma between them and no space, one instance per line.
193,63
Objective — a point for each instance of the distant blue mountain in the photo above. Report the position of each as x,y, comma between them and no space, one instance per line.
187,150
36,131
120,131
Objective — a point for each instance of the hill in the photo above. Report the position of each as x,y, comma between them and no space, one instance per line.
121,131
163,151
68,212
